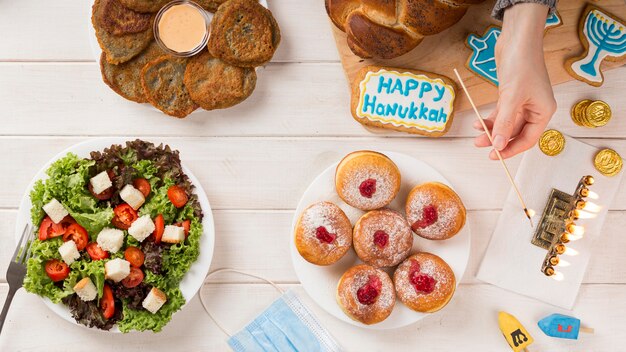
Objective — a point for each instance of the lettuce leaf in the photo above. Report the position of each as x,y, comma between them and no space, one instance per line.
67,182
179,258
36,280
159,203
86,268
93,222
141,320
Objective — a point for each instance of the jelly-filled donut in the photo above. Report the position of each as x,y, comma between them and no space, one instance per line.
323,233
367,180
366,294
435,211
382,238
424,282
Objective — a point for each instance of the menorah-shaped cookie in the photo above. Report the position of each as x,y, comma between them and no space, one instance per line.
604,37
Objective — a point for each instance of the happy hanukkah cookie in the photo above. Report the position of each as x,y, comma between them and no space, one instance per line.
482,61
603,36
404,100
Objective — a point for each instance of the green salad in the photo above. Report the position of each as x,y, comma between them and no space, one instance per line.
116,234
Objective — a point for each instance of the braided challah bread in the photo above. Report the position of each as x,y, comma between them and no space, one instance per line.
389,28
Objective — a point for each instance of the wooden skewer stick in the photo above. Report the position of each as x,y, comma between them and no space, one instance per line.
506,169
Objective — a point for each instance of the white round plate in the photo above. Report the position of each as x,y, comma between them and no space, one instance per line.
193,279
320,282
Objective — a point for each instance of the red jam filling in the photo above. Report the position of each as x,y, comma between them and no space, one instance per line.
370,291
381,238
324,236
423,283
368,188
429,217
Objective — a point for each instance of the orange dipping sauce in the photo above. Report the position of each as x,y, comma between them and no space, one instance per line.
182,28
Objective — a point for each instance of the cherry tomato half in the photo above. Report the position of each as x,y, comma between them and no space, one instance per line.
78,234
95,252
67,222
107,303
48,229
185,225
57,270
134,256
125,215
159,224
134,278
143,186
177,196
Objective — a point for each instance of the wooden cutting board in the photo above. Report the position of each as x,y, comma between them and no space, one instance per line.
445,51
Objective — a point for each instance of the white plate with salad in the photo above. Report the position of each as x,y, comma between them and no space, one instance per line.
124,234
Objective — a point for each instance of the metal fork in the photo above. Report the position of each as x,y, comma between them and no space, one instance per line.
17,269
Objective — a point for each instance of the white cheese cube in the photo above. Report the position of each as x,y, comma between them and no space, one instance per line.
86,290
173,234
55,211
141,228
116,269
110,239
69,252
154,300
101,182
132,196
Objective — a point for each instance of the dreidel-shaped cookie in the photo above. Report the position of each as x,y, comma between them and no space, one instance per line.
514,332
562,326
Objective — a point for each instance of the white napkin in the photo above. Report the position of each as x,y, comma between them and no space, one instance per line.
511,261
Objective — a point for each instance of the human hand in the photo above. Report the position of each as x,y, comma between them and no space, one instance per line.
526,102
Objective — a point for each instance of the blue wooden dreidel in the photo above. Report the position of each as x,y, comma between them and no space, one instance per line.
562,326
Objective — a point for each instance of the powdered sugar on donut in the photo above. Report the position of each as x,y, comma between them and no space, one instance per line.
356,278
385,187
385,299
398,246
447,215
330,217
443,275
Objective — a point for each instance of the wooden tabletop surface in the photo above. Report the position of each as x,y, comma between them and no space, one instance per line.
255,161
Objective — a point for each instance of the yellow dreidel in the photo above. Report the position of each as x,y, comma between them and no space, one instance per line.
515,334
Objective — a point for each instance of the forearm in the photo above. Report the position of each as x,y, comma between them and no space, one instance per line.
523,27
501,5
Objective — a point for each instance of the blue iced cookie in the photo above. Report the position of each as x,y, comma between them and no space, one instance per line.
404,100
482,61
604,37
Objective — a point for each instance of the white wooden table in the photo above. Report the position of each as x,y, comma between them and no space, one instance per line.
254,161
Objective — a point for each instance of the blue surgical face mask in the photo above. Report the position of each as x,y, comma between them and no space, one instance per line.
286,325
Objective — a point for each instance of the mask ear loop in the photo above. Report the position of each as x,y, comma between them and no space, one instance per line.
232,271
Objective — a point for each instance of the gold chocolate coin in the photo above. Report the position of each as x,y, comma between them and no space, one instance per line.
551,142
608,162
578,113
597,113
